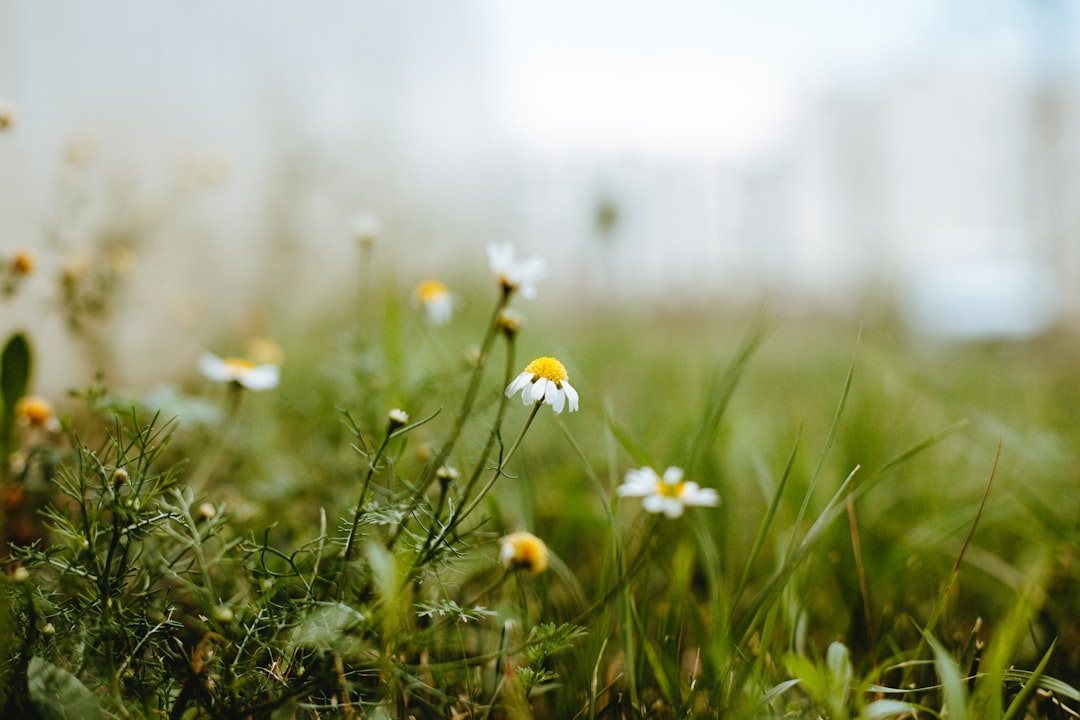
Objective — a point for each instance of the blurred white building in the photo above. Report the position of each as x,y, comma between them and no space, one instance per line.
243,137
951,185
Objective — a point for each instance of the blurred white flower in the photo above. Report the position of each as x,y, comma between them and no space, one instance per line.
669,495
240,371
37,412
523,551
437,301
397,418
545,380
515,275
366,228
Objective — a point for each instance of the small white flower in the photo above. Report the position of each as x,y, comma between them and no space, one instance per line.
37,412
238,370
437,301
366,228
514,275
669,495
545,380
397,418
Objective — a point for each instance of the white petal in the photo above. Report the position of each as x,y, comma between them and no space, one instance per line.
214,367
703,497
539,389
645,476
263,377
506,552
518,385
673,508
571,396
500,257
654,503
556,398
629,489
673,475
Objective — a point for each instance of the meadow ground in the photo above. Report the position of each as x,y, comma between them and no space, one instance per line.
367,525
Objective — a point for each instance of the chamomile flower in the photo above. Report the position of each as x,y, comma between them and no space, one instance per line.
545,380
436,300
523,551
366,228
515,275
37,412
23,263
240,371
16,270
669,495
509,322
397,418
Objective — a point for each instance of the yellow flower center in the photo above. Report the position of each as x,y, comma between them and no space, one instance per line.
35,411
430,290
22,263
672,490
548,368
529,553
239,365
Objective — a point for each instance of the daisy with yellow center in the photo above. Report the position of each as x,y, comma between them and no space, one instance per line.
239,371
545,380
436,300
515,275
22,263
37,412
523,551
669,495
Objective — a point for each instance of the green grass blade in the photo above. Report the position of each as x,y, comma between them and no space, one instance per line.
830,438
725,388
953,686
1017,708
766,523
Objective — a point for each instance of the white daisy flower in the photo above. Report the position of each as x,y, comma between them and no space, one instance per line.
514,275
523,551
545,380
240,371
669,495
437,301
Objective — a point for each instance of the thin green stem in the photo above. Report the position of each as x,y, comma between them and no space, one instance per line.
458,516
485,453
502,464
469,399
346,552
631,569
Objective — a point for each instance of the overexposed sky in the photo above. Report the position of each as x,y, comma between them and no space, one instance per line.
721,78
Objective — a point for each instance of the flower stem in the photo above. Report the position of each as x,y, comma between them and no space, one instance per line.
434,533
347,550
469,399
502,463
459,424
458,516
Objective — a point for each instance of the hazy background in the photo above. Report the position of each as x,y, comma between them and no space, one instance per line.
824,154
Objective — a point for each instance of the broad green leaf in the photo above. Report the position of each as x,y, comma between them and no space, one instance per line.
14,369
59,695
